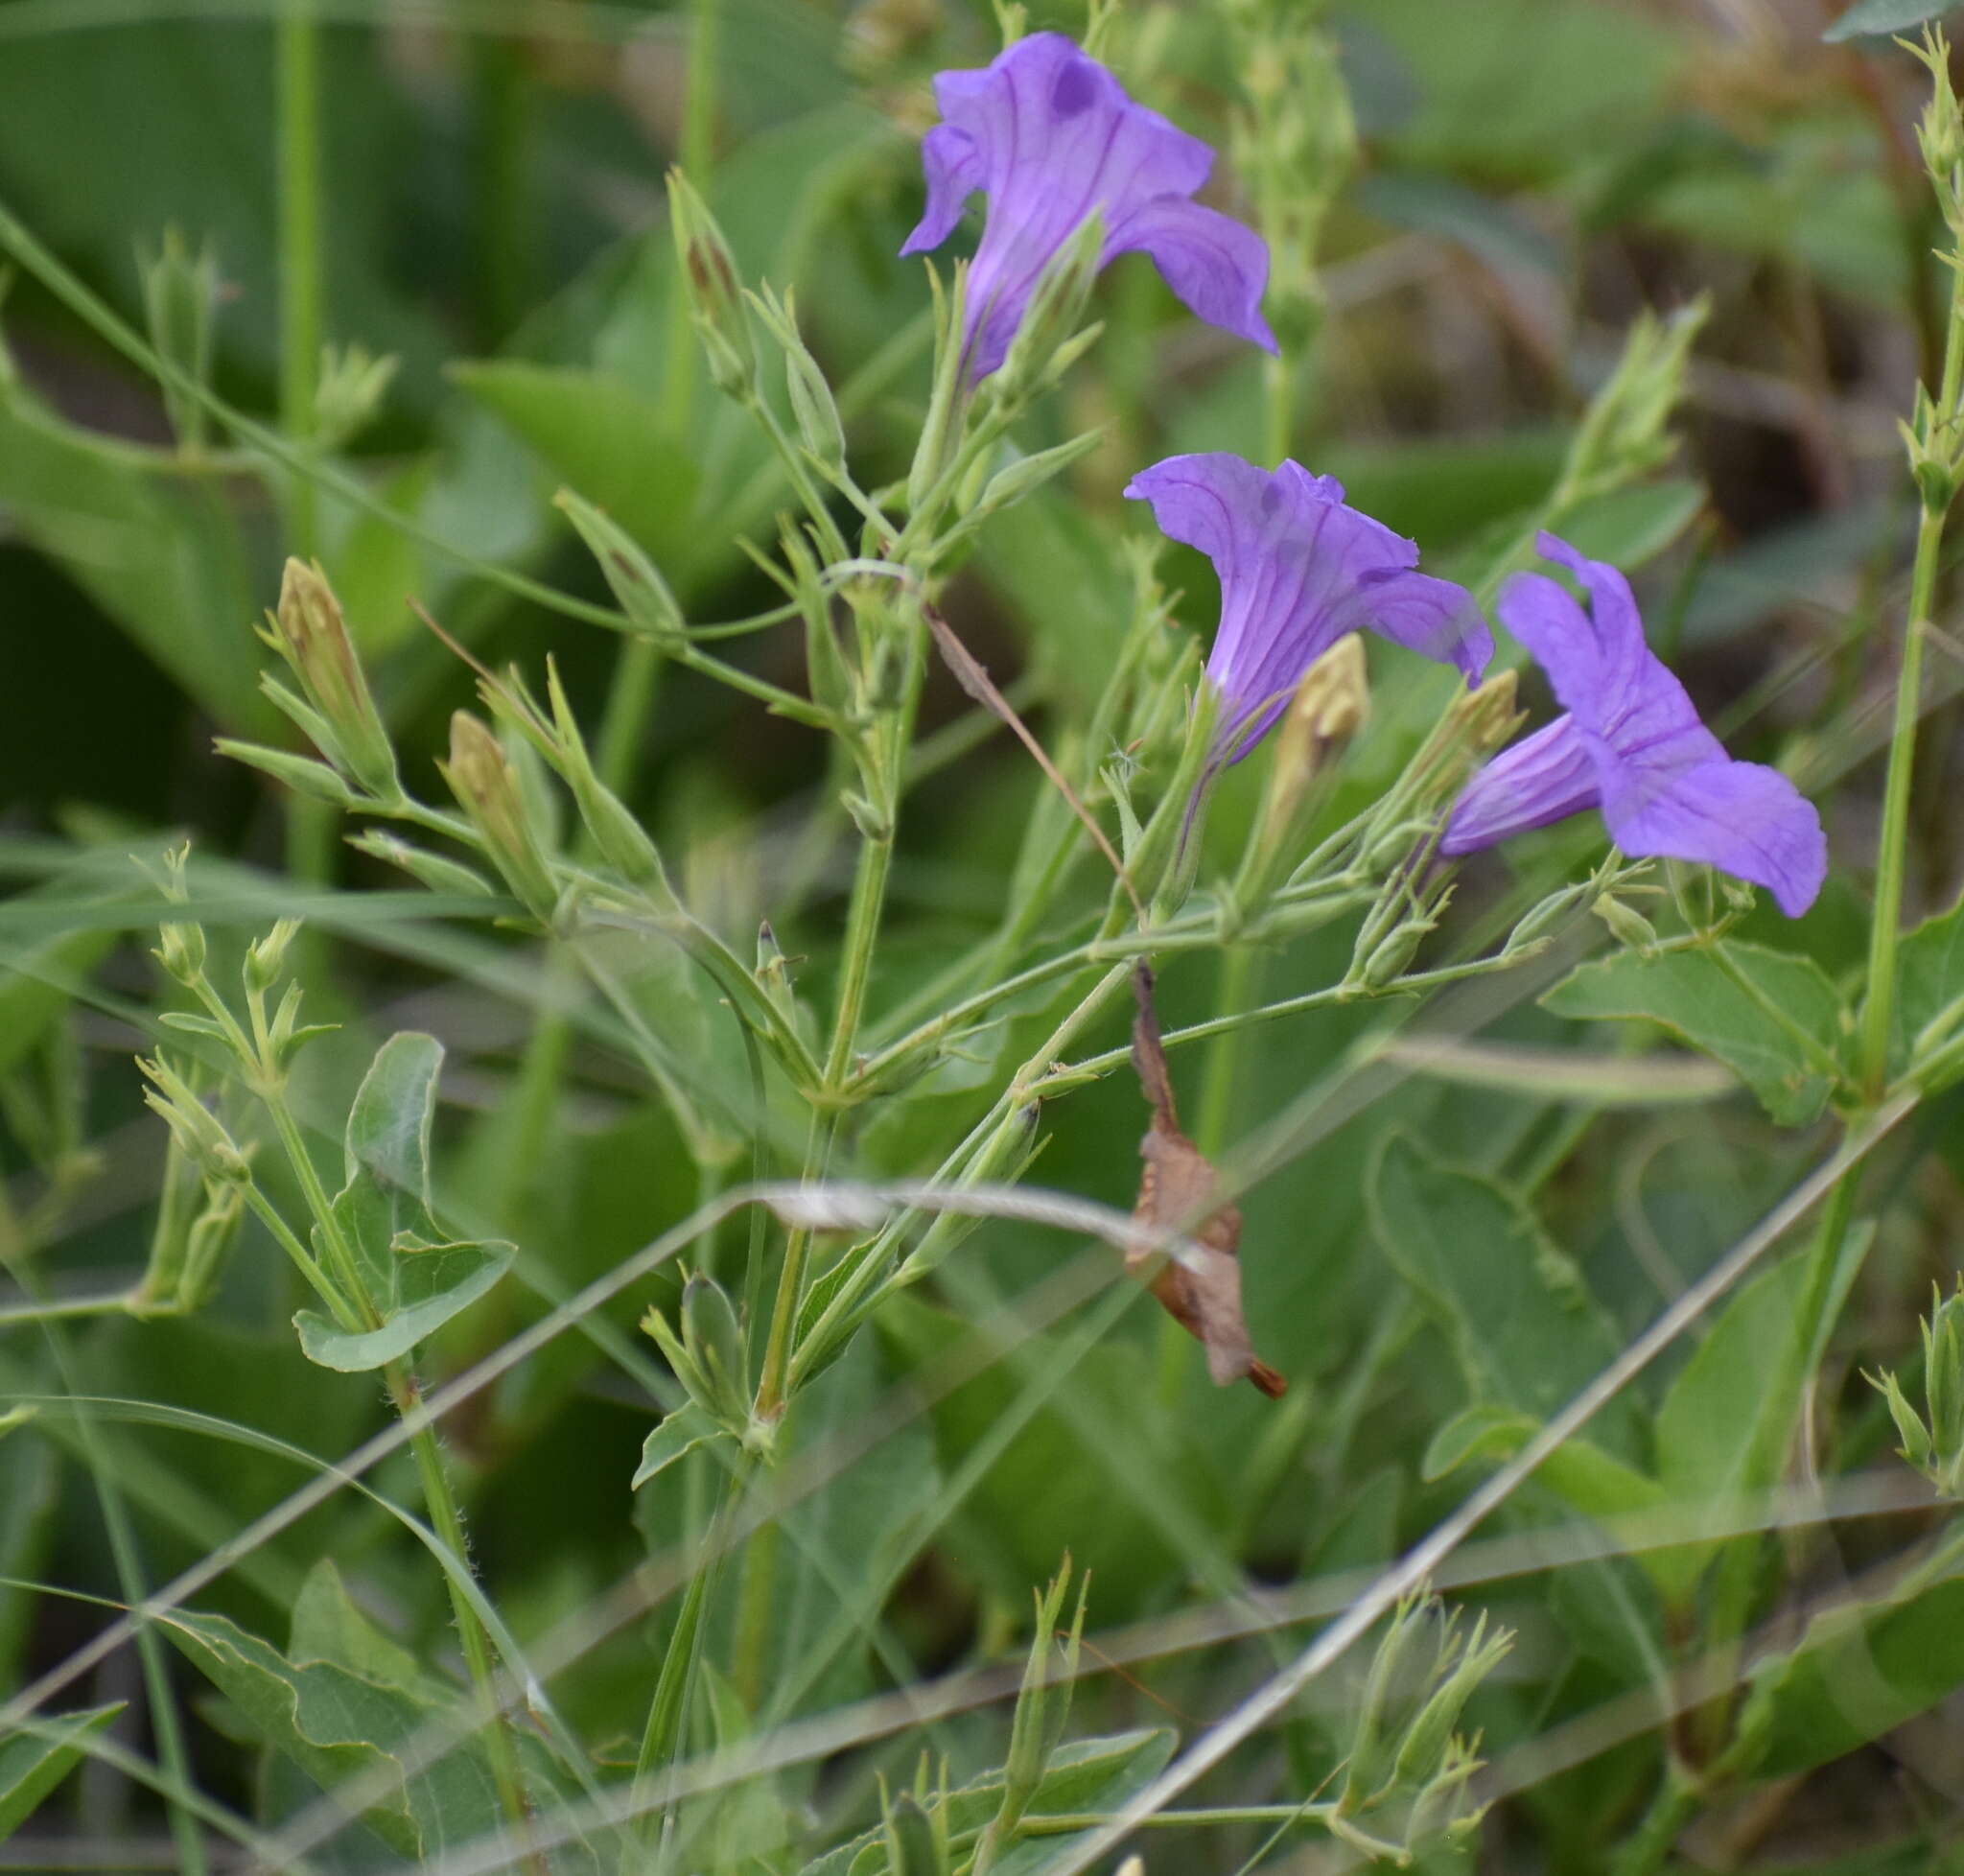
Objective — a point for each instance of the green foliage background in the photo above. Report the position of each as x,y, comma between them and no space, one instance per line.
1446,1238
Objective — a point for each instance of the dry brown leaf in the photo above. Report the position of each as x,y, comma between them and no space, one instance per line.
968,672
1175,1190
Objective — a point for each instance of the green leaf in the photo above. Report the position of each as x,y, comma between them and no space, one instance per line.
433,1283
1629,526
601,435
337,1725
32,1764
1929,996
1858,1674
1867,17
1709,1425
1029,1506
37,986
328,1627
1687,994
1584,1477
163,557
1527,1334
415,1277
682,1432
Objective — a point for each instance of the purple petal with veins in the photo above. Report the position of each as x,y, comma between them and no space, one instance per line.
1049,135
1298,568
1632,744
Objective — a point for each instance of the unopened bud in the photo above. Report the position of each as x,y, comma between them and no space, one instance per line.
1629,925
436,872
1942,1354
620,837
266,958
311,634
483,779
1940,130
716,297
1043,1704
635,580
1027,474
353,382
1541,922
1387,961
1327,710
198,1132
188,1248
813,406
302,774
1464,1666
181,294
914,1847
715,1340
1917,1447
1401,1664
180,951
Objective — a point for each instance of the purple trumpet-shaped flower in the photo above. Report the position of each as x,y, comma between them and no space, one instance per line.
1297,570
1631,744
1051,137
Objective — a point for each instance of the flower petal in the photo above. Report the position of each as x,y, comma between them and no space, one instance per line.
1214,500
955,170
1430,616
1740,817
1544,777
1218,268
1052,137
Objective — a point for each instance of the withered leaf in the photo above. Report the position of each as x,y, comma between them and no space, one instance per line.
968,672
1175,1190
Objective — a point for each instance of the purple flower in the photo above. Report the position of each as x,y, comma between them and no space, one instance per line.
1050,136
1631,744
1298,568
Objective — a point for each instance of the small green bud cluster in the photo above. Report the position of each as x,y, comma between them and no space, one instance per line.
1402,835
198,1224
1933,1441
711,1358
1042,1709
1293,142
1408,1768
180,297
1624,433
348,395
196,1131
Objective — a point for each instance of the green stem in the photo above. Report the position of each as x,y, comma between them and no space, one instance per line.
340,1253
446,1519
695,154
1055,1822
776,1353
505,239
1879,1005
297,81
662,1737
631,696
1237,989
